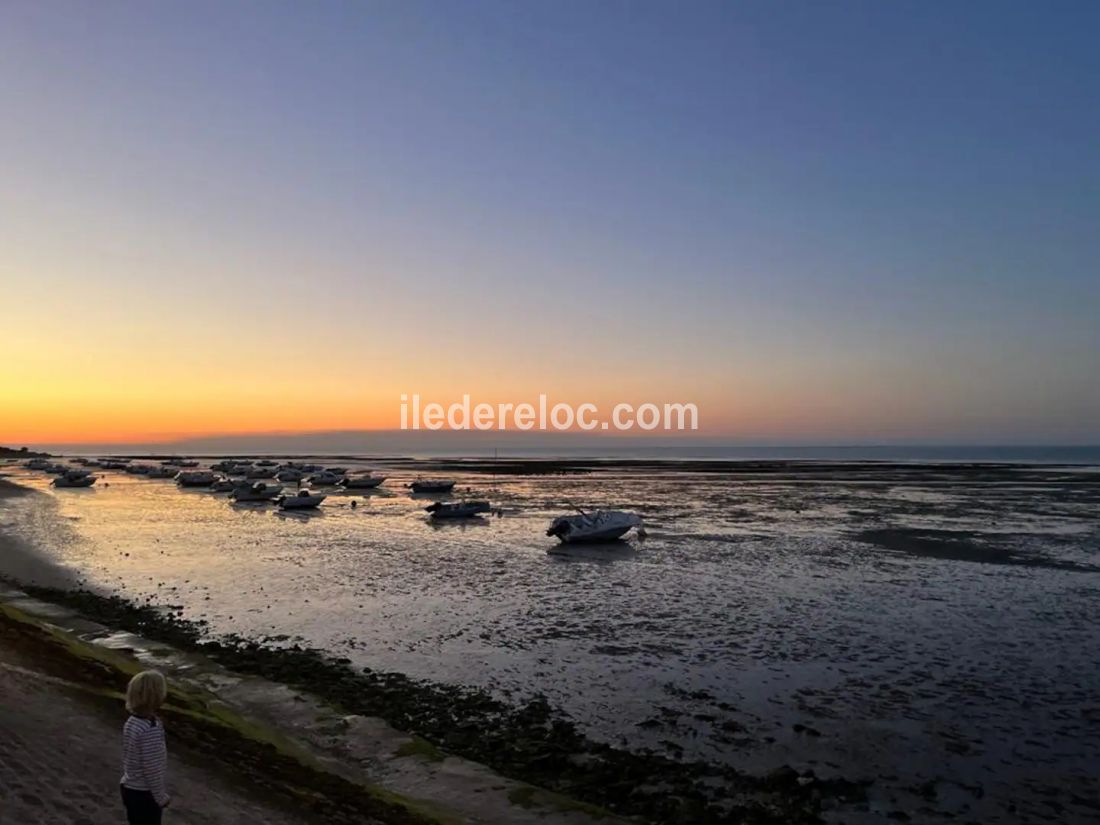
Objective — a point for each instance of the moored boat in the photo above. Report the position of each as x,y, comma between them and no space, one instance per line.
457,509
302,500
365,481
600,525
256,492
195,478
74,478
325,478
432,485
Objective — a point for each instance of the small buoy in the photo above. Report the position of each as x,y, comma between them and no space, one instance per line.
354,504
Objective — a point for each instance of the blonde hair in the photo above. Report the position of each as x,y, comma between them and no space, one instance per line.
146,693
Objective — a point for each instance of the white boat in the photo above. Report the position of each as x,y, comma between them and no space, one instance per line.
601,525
195,478
325,479
433,485
365,481
74,478
457,509
303,500
256,492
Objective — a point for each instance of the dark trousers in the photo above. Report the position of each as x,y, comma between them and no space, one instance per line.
141,808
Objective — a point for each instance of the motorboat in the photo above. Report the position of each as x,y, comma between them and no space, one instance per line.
267,462
161,472
114,463
74,478
139,469
432,485
256,492
260,472
37,464
195,478
288,474
302,500
56,469
600,525
224,485
364,481
325,479
457,509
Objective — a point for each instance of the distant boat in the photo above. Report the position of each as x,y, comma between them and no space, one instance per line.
601,525
114,463
161,472
74,478
432,485
290,474
303,500
260,472
365,481
256,492
195,478
457,509
325,479
139,469
37,464
337,471
266,463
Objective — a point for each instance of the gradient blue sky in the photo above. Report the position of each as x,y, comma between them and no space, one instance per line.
854,221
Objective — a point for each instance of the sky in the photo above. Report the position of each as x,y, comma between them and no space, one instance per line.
846,222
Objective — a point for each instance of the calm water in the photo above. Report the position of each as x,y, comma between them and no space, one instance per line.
753,606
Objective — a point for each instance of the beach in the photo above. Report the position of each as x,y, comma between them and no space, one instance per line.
916,635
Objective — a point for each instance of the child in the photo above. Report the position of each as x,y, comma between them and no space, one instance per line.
144,754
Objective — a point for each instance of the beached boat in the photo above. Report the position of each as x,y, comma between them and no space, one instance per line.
289,474
457,509
365,481
260,472
601,525
325,479
195,478
267,462
161,472
74,478
139,469
115,463
432,485
256,492
303,500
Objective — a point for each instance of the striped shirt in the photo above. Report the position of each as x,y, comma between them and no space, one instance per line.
145,757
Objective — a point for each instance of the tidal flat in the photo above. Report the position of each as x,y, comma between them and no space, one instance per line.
923,636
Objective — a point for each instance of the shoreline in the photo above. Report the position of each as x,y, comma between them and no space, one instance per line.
532,742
